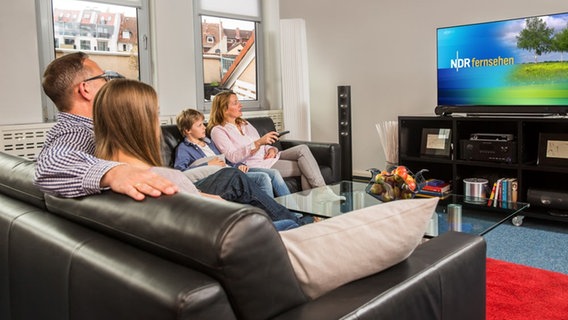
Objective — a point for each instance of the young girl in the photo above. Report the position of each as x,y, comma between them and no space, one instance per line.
127,129
197,146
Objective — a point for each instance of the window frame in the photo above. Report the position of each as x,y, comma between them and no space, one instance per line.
46,46
248,105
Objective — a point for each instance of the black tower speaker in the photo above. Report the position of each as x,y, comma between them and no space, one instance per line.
344,125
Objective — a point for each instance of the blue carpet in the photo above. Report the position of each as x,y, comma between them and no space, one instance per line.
536,243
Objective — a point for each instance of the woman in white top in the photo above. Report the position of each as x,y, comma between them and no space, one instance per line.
241,142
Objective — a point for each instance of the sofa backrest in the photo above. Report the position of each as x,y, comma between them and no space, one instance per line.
235,244
171,137
264,125
16,179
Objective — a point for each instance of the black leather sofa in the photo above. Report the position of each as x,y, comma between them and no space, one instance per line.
328,155
184,257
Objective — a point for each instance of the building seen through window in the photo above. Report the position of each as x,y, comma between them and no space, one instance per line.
229,57
108,33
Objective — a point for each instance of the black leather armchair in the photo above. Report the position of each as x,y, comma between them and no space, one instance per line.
328,155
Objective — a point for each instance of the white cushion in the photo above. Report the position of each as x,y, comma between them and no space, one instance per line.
198,173
330,253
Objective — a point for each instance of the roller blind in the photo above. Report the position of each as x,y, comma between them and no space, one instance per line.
249,8
130,3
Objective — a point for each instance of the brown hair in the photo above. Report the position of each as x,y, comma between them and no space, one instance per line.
219,105
187,118
125,116
60,76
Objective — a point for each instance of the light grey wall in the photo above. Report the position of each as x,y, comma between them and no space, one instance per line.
174,55
384,50
19,76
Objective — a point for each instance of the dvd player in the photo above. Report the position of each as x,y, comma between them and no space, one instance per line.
492,136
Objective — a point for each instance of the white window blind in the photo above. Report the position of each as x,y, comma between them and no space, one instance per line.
249,8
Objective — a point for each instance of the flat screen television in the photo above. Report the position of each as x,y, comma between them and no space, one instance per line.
509,66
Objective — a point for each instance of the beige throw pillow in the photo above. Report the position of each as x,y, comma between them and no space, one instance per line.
330,253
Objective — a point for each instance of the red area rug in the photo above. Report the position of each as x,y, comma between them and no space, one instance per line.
519,292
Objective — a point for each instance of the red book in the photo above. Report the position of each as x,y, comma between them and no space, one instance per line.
438,187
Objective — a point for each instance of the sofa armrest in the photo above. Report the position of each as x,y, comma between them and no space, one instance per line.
443,278
326,154
16,179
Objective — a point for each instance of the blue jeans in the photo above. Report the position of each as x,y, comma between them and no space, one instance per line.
262,180
280,187
286,224
233,185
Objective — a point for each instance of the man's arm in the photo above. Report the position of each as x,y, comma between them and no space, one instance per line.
137,182
67,168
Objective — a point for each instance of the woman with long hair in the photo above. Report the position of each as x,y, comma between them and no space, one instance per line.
240,142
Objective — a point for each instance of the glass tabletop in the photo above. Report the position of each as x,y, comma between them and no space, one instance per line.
454,213
319,202
471,215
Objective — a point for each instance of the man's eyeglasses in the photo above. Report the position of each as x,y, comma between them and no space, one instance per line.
108,75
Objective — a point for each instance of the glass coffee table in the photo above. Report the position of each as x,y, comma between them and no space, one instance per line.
454,213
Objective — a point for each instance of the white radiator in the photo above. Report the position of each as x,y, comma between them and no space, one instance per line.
275,115
26,140
23,140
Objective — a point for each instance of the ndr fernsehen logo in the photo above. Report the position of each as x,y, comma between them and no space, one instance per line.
461,63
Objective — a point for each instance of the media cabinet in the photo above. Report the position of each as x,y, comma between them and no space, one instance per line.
532,170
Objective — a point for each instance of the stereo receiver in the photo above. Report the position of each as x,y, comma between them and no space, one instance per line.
488,150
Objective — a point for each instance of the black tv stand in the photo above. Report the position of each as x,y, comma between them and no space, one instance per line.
525,168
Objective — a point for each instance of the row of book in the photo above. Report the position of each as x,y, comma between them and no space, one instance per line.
504,191
435,188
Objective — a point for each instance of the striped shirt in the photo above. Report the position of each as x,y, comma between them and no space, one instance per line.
66,166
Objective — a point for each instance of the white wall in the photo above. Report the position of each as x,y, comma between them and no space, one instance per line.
174,55
20,100
384,50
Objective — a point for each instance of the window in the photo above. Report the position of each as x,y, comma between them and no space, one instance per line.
85,45
97,28
69,43
103,46
229,40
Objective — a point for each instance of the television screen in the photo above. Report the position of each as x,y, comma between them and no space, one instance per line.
514,65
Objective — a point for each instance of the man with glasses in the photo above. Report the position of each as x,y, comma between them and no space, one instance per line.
107,75
66,165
